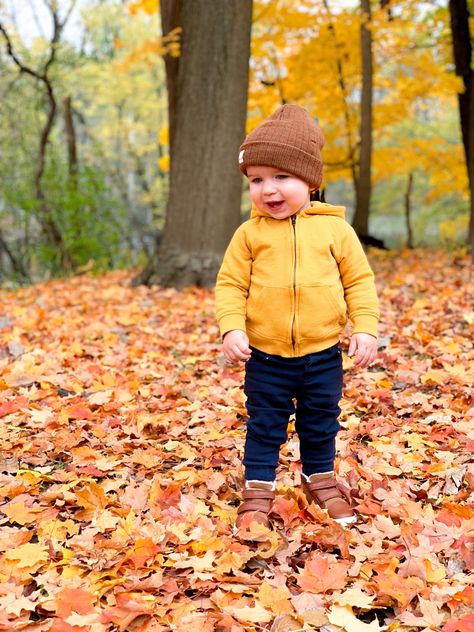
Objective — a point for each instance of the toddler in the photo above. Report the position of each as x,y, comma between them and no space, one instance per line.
290,276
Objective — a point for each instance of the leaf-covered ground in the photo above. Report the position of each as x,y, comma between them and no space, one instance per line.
121,430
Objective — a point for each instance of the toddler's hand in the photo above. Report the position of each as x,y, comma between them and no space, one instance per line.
236,345
364,347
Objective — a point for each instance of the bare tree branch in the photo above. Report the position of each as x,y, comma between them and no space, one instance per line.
45,217
26,69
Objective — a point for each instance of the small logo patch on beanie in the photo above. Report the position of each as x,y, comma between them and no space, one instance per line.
241,156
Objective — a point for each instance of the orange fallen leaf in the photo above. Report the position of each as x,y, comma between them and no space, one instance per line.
322,573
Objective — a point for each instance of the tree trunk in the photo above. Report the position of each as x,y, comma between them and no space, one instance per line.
462,49
203,207
170,20
363,184
408,193
70,139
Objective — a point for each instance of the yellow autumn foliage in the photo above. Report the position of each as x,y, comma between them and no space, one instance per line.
309,53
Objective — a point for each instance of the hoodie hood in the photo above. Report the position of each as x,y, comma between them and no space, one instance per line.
316,208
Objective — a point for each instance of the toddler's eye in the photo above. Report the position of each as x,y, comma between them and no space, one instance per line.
255,180
281,176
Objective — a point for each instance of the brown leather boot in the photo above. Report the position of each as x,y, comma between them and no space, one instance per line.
324,490
257,499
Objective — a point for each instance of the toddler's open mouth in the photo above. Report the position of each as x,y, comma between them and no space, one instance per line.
275,206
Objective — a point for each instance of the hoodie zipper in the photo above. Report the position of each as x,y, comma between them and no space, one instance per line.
293,341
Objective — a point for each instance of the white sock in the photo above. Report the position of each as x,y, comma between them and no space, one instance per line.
308,478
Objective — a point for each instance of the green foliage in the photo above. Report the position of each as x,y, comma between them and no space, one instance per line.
106,214
93,223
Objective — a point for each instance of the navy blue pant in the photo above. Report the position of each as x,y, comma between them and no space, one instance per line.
276,387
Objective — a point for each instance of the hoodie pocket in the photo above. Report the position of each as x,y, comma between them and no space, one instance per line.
269,313
321,311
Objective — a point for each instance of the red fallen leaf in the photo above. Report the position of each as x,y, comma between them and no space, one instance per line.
465,547
90,470
79,412
449,519
287,509
12,405
369,508
7,408
127,610
464,624
468,444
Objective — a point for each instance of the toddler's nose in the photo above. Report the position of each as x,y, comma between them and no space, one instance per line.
268,186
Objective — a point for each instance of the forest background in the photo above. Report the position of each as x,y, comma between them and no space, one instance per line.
121,427
88,188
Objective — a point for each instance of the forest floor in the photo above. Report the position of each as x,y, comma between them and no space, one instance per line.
121,431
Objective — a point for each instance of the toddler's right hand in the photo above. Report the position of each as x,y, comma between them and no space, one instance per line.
236,345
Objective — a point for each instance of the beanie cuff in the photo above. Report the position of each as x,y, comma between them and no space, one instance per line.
282,156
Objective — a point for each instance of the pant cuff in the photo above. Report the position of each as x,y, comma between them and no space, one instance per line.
266,475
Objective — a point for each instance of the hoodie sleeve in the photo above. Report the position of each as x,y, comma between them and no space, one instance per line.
358,282
233,282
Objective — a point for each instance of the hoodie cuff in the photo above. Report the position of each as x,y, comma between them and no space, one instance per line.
365,325
233,321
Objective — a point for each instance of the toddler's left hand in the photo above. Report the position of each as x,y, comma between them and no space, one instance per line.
364,347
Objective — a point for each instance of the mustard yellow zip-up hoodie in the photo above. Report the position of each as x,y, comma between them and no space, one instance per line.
290,284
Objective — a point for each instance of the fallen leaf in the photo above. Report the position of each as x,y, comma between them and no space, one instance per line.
322,573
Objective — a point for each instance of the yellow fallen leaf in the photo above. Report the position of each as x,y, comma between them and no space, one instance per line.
346,619
355,597
19,513
434,376
434,573
57,529
275,598
28,555
256,614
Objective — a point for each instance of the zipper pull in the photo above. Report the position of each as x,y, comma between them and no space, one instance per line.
293,219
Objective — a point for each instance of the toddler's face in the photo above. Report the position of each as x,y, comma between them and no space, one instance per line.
277,192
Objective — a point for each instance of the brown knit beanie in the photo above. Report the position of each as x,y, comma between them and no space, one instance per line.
289,140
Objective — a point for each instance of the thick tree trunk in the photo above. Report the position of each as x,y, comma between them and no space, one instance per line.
205,183
363,184
462,49
170,20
